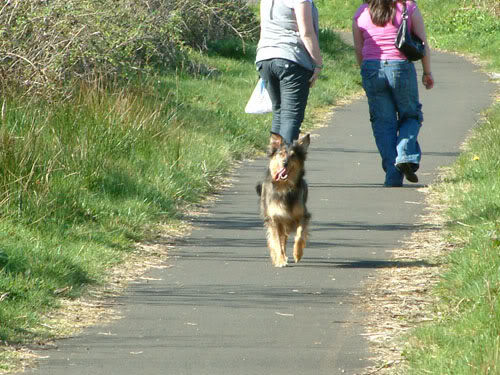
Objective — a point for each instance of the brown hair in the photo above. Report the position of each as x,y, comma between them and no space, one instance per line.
381,11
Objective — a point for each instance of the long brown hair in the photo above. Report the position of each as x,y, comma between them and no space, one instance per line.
382,11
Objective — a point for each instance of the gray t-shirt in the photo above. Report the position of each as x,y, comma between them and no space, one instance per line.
279,35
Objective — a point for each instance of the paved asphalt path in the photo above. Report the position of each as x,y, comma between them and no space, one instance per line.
222,309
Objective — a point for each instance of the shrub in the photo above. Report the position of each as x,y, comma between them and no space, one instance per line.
45,44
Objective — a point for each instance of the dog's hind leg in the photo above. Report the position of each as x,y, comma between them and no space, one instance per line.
300,240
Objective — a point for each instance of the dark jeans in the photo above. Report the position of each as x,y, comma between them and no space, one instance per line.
288,87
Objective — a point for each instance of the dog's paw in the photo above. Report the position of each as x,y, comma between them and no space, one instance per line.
298,248
281,262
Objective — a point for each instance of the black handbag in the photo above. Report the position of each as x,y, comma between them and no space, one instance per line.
411,45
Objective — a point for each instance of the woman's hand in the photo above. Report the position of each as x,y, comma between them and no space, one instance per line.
428,80
315,76
418,27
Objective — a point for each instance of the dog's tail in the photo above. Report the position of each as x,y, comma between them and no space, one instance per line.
258,188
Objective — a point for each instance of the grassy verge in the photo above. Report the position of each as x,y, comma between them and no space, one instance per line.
464,337
84,180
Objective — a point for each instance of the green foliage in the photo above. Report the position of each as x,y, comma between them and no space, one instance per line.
233,48
87,173
82,179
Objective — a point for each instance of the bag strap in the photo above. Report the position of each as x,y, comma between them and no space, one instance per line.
405,11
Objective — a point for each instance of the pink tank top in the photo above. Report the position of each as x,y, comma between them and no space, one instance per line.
379,41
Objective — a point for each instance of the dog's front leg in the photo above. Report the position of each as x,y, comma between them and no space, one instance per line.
276,240
282,260
273,242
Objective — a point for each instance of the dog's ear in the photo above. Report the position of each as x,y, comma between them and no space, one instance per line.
304,142
275,142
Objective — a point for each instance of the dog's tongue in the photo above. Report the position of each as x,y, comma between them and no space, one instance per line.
281,175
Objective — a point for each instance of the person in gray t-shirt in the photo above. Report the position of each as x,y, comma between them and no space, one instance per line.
288,60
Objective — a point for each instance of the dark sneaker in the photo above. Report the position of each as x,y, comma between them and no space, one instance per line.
407,170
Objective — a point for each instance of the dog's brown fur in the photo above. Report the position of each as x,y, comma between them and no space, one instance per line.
283,197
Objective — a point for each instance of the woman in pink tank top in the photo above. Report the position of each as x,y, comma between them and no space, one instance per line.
390,83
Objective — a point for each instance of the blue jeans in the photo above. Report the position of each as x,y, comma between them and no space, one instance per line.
395,113
288,87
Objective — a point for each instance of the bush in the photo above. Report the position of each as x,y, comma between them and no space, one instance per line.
44,44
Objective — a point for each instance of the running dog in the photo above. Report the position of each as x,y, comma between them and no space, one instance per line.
283,196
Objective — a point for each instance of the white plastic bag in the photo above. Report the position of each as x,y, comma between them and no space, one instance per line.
259,102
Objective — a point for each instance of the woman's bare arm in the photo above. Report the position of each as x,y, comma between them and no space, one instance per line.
303,13
418,28
358,42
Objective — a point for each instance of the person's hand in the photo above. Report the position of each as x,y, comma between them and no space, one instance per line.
315,76
428,80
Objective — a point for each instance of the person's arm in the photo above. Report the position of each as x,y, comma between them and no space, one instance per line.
418,28
357,36
303,14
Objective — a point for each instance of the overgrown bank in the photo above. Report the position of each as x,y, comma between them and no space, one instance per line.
98,150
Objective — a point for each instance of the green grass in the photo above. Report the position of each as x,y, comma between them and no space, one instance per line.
83,180
469,27
337,14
